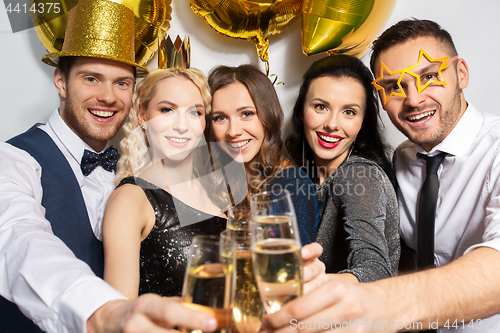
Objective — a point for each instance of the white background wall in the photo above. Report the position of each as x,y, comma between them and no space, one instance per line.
27,94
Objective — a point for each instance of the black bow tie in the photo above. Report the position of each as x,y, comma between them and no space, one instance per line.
106,159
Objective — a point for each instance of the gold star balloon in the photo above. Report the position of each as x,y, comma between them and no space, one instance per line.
251,20
152,20
343,26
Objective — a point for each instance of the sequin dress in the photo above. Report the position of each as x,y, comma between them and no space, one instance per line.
359,228
164,252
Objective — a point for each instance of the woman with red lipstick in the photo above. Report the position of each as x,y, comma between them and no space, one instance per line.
161,203
246,122
336,138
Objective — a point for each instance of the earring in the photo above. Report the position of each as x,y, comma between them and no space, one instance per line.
350,150
303,152
143,126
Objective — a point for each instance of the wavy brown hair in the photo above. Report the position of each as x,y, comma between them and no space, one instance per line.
272,152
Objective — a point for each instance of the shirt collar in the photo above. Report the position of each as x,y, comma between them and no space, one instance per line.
459,140
73,143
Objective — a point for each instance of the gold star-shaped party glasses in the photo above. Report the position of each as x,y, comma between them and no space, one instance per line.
425,76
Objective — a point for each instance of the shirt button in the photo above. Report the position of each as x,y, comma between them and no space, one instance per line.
99,173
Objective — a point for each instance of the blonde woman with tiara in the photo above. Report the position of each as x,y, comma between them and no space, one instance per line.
161,202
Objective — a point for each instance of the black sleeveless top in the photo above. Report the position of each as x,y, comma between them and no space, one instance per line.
164,252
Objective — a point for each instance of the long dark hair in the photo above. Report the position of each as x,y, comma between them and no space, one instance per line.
272,152
369,142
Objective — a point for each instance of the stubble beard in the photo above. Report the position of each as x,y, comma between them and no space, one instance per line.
447,118
91,134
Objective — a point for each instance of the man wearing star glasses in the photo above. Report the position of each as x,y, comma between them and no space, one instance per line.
448,176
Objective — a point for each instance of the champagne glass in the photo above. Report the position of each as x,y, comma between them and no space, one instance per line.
238,217
248,307
210,279
276,249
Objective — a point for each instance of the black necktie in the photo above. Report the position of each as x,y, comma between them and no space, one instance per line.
427,212
107,159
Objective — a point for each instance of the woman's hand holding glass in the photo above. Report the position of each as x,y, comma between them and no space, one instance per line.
276,249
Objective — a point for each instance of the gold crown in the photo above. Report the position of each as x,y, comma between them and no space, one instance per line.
99,29
177,54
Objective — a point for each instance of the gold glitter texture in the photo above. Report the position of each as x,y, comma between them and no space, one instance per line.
99,29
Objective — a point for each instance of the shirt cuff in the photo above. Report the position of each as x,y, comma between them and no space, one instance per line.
493,244
81,302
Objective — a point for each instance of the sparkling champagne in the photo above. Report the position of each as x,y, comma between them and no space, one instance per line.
209,290
278,271
248,307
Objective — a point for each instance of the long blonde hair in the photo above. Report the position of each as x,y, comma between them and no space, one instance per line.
134,146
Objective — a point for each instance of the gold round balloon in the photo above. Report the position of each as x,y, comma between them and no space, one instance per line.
249,19
152,20
343,26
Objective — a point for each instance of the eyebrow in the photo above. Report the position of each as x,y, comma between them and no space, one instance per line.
100,75
167,102
345,105
385,82
243,108
418,71
427,68
176,106
320,100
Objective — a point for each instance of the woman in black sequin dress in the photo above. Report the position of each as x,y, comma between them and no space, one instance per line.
161,202
337,139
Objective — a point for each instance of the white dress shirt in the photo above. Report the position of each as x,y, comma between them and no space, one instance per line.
96,187
468,206
37,270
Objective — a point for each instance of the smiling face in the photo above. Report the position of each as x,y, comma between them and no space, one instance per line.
334,109
236,124
427,117
95,99
174,119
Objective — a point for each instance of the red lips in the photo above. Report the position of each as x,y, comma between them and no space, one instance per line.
326,144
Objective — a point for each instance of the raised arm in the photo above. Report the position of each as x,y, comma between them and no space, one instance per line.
128,219
148,313
38,271
466,289
370,220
